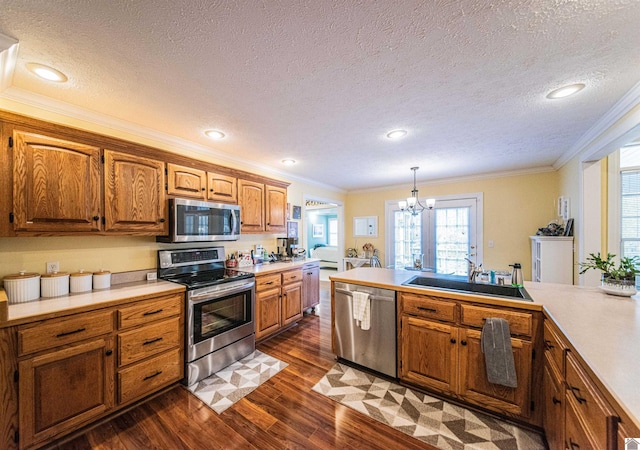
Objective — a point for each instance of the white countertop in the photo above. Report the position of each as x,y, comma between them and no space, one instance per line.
604,329
279,266
55,306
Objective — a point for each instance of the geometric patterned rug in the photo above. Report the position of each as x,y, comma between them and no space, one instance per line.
429,419
222,389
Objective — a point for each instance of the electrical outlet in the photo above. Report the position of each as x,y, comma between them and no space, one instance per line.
53,266
151,276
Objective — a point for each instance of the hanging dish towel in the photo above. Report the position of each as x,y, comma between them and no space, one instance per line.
362,309
498,353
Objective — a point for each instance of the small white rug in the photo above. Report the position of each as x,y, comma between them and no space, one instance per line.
222,389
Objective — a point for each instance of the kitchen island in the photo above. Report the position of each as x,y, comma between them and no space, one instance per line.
601,332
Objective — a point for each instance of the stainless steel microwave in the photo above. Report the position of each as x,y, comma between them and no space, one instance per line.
196,221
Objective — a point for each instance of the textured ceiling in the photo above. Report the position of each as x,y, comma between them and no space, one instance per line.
322,81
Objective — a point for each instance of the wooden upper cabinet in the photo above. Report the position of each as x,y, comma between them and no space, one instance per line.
134,194
186,181
251,201
222,188
276,209
56,184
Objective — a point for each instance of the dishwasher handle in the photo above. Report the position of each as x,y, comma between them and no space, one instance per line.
377,298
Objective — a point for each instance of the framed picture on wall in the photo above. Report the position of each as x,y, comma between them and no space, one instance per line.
292,229
297,212
318,230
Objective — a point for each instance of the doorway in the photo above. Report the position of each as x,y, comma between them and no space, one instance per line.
324,232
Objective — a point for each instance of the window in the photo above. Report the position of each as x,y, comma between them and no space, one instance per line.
444,236
333,232
630,201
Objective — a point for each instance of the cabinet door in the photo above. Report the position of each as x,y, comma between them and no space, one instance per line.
577,436
267,312
429,353
251,201
475,387
553,415
310,287
186,181
56,184
291,302
65,389
276,209
135,200
222,188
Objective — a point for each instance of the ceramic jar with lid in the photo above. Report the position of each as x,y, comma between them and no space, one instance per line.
102,279
80,281
54,284
22,287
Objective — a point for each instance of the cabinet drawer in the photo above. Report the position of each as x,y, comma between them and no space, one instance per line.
576,436
140,379
292,276
149,311
554,347
588,402
66,330
152,339
267,282
429,307
520,323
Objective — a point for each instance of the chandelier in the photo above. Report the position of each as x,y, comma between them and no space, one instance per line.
412,204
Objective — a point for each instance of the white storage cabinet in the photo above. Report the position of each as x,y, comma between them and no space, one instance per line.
552,259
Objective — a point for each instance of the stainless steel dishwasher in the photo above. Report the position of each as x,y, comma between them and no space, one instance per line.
374,348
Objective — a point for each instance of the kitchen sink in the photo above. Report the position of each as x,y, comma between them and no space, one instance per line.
511,292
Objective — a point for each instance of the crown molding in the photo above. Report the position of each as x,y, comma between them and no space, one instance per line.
8,58
166,141
478,177
619,126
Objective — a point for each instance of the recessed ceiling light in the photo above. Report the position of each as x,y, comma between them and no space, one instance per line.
47,73
565,91
215,134
288,162
396,134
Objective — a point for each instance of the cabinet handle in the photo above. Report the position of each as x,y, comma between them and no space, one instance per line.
204,189
294,277
96,218
422,308
150,313
555,400
79,330
269,282
162,220
151,341
109,352
573,391
148,377
463,342
573,444
211,190
547,345
452,340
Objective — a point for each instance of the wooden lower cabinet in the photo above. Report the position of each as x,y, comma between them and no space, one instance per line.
437,353
553,419
75,369
64,389
310,285
279,299
474,385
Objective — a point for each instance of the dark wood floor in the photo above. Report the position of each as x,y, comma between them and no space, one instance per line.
283,413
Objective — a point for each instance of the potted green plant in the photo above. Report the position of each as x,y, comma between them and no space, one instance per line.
617,279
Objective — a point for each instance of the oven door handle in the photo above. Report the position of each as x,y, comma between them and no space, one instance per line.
220,292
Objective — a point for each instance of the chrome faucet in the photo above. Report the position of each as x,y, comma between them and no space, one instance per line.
473,271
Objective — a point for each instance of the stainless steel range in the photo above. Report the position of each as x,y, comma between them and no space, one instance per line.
220,305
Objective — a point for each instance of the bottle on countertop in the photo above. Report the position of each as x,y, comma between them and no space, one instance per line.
516,275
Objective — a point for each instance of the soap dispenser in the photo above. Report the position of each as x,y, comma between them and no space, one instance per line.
516,275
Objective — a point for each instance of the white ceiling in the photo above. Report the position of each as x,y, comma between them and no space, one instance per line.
322,81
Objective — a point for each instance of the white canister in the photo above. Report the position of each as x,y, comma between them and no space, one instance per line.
80,281
54,284
22,287
102,279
